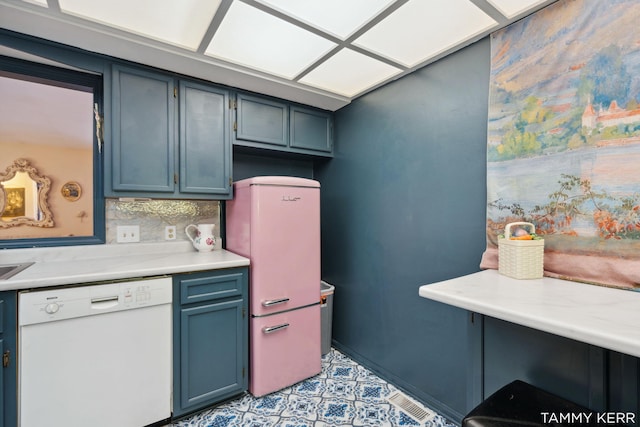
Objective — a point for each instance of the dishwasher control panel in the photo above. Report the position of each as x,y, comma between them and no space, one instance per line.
78,301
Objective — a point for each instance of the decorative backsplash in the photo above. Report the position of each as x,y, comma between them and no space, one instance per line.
154,215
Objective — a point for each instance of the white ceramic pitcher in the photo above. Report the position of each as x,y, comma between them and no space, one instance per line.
203,239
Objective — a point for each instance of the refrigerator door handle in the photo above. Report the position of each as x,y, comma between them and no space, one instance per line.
269,303
271,329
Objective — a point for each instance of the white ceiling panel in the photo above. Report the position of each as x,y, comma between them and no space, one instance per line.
255,39
421,29
182,23
511,8
322,53
338,17
349,73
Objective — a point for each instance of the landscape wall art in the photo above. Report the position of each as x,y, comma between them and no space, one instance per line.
563,149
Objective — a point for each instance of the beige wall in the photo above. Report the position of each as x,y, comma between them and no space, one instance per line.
61,164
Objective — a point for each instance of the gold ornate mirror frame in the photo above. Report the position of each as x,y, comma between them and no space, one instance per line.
44,216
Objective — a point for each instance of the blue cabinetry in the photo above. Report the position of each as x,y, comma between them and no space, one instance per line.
310,130
261,121
210,338
205,144
8,371
169,138
142,144
269,124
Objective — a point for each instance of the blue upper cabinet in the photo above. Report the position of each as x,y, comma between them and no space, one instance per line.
267,124
310,130
261,120
205,148
169,138
143,120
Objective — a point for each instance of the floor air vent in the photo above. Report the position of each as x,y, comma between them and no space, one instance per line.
415,410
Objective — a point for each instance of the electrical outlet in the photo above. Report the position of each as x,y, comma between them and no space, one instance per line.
128,233
170,232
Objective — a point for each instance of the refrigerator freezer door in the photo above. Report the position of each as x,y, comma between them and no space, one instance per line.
285,349
285,248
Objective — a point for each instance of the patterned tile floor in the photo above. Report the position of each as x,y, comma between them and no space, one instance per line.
343,394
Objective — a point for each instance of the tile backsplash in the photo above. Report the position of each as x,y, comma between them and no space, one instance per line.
154,215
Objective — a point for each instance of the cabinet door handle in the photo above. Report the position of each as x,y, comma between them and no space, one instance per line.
269,303
272,329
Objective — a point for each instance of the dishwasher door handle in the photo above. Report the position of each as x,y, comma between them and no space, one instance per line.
104,302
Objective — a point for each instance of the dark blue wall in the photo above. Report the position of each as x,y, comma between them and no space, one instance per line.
250,165
403,204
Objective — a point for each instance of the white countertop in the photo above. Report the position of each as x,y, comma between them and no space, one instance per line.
605,317
83,264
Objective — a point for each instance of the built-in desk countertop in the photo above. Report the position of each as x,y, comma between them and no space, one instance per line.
597,315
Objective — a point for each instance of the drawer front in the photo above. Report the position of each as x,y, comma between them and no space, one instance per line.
210,287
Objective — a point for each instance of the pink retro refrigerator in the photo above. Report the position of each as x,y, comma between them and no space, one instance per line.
275,222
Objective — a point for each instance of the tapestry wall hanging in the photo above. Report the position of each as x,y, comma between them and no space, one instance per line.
563,147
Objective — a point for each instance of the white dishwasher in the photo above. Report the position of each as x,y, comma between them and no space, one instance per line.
95,355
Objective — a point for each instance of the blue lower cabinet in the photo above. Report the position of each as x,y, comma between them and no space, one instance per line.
210,324
8,371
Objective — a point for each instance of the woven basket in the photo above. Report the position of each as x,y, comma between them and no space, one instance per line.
520,259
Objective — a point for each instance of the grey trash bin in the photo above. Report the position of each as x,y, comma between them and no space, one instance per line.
326,313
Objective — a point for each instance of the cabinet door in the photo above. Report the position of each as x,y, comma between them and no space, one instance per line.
205,144
143,140
8,368
3,404
311,130
211,338
262,120
211,345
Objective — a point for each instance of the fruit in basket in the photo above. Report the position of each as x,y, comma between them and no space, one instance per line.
520,232
523,237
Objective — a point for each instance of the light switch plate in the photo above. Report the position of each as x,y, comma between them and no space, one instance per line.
128,233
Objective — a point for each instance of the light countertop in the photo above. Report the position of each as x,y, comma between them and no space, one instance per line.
83,264
601,316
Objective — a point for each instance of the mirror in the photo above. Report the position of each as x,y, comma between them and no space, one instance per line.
23,196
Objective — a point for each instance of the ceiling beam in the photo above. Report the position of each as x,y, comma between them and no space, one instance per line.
348,42
54,5
223,8
490,10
